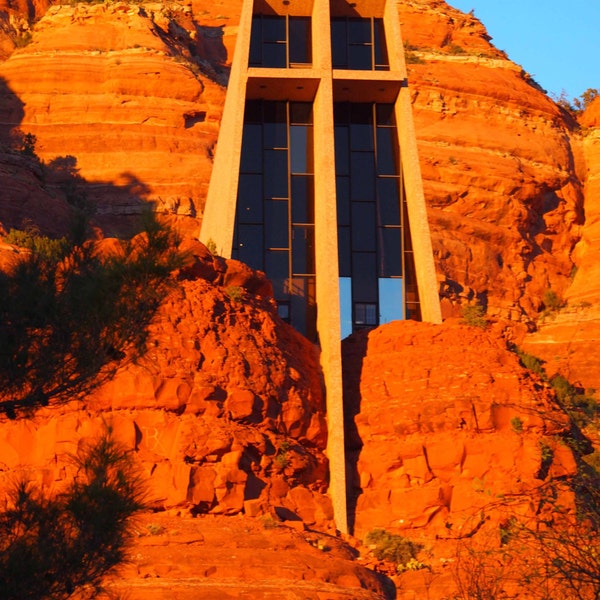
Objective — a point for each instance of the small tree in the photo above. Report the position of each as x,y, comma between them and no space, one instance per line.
54,547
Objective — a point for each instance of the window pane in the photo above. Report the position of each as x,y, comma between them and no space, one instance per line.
249,202
364,277
275,129
361,127
300,143
363,227
300,112
273,28
387,151
381,57
250,245
253,111
303,203
300,40
388,201
390,300
360,58
251,159
385,114
274,56
303,250
346,306
275,176
363,176
339,43
277,270
343,200
359,31
255,59
342,150
344,252
276,224
365,314
390,252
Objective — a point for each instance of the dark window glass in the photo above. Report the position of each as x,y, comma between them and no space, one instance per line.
343,200
251,159
359,31
300,40
358,43
345,252
250,244
303,203
342,150
253,112
255,59
275,128
363,226
339,43
390,252
341,113
249,202
365,314
303,249
363,176
300,146
300,113
276,174
361,127
387,151
273,28
364,277
278,270
360,58
274,56
283,310
388,201
276,224
381,57
407,239
385,114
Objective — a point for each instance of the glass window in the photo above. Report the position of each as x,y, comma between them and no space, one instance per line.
276,174
361,127
342,150
346,306
300,40
276,224
280,41
388,201
249,245
283,310
303,203
251,159
250,197
390,252
343,200
358,43
391,300
387,151
364,276
278,270
301,148
344,252
363,227
362,184
303,249
365,314
275,125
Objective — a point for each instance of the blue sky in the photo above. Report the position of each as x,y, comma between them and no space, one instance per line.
556,41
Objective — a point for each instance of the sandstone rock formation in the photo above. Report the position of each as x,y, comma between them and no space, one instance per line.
441,420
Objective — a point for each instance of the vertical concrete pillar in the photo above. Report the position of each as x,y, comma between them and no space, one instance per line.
326,257
218,221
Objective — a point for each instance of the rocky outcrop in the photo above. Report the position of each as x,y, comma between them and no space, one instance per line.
503,196
224,412
443,420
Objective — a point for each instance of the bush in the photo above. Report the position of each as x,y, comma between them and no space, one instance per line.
54,547
394,548
66,312
474,316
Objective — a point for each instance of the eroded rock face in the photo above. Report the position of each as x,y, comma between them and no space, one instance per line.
441,418
225,408
503,197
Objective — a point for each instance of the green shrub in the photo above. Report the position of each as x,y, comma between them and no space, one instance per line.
211,246
55,548
531,362
517,424
552,301
235,293
474,316
394,548
52,250
456,49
